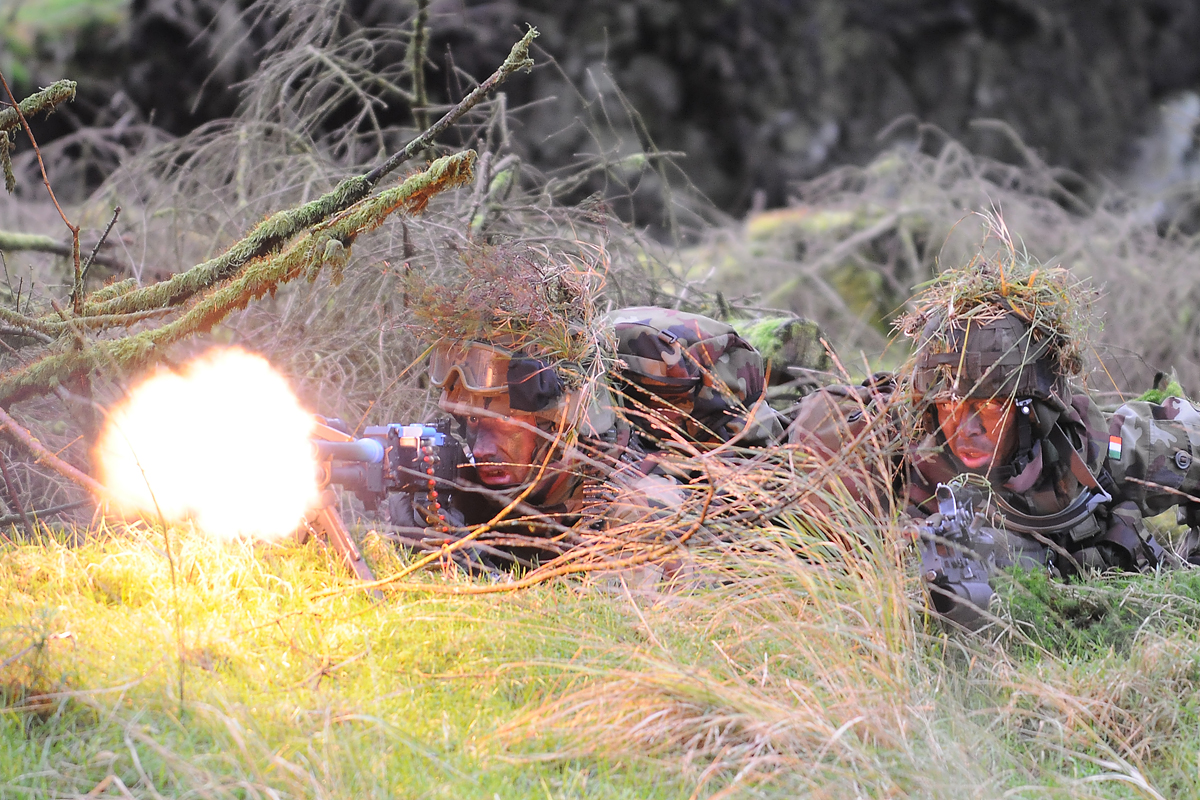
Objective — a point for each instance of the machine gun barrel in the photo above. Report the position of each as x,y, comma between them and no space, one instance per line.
357,457
369,451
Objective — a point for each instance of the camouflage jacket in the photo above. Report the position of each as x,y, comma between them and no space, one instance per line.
1086,490
596,483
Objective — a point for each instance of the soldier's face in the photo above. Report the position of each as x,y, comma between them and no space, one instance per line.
979,432
503,442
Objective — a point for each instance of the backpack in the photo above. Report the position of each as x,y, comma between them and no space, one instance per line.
698,366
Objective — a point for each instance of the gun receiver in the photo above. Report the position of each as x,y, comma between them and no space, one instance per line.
388,458
957,560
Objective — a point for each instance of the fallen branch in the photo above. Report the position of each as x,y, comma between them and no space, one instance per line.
44,457
273,232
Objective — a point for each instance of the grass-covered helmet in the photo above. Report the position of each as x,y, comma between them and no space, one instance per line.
997,355
520,321
998,331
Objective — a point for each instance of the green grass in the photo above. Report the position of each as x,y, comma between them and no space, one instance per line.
338,697
776,676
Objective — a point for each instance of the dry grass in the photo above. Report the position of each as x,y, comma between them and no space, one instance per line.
783,653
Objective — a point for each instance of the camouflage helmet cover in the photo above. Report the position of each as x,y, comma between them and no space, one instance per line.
706,369
987,356
673,350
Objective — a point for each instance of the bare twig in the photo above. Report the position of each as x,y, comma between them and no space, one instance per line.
518,59
45,512
417,65
77,294
14,498
43,456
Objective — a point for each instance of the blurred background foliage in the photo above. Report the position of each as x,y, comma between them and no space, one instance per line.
759,94
816,157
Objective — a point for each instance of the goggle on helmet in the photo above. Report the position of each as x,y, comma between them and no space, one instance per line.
533,385
999,358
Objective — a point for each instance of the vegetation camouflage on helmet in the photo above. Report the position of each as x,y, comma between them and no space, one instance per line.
696,361
788,341
999,330
535,304
998,358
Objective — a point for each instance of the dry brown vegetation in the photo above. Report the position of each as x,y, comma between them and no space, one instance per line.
782,653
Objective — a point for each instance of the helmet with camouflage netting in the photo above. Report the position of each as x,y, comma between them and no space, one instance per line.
999,331
517,320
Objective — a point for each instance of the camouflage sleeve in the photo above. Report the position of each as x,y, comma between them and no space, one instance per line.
647,498
848,434
1152,452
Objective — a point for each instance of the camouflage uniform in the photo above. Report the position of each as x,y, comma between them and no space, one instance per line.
1073,496
700,367
607,472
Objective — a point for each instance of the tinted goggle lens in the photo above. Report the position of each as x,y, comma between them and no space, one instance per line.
532,384
481,368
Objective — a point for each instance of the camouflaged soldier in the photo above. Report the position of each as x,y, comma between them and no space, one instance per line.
1047,479
686,376
536,438
545,456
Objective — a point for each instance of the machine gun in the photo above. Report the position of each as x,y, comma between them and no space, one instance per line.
388,458
958,557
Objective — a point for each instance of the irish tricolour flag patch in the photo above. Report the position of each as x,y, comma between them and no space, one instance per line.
1114,448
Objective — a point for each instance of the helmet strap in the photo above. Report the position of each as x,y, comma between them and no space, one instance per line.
1024,453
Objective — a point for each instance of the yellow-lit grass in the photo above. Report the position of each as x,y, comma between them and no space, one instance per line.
779,658
285,695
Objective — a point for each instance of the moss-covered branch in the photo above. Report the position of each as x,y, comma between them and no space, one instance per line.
45,100
275,231
328,243
267,236
35,242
